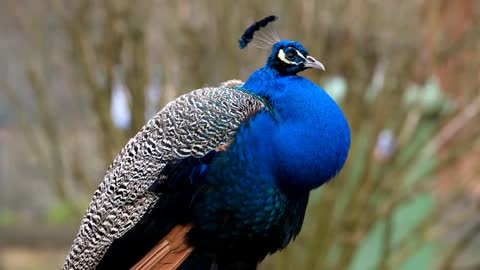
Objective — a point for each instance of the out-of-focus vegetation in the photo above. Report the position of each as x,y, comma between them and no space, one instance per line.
405,72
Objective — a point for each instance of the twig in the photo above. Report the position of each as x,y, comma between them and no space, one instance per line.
51,131
461,245
387,239
456,124
29,133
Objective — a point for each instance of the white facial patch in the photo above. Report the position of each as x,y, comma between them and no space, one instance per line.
281,55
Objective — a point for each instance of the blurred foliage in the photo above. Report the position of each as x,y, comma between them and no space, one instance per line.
7,217
401,70
61,212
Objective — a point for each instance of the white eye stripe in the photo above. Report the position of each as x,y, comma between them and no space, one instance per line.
281,55
301,55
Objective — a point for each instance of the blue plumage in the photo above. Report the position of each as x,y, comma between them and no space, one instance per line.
260,186
314,136
249,200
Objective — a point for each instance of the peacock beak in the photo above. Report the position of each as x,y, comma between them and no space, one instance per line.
313,63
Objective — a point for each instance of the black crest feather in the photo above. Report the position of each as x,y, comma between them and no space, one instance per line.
248,34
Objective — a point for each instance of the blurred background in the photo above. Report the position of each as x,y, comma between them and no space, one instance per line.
78,78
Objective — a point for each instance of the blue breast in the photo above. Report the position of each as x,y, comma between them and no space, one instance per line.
312,138
258,189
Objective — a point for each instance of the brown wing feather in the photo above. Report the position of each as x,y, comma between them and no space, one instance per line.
169,253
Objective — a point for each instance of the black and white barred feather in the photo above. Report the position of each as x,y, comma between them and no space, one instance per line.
192,125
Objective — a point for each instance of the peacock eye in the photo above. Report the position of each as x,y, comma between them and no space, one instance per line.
290,55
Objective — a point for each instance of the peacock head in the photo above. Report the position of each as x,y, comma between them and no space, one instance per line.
288,57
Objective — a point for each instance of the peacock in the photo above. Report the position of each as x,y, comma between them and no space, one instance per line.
230,166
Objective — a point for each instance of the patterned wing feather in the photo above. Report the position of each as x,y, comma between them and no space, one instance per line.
192,125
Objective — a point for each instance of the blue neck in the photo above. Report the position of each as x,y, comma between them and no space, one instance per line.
261,81
312,140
